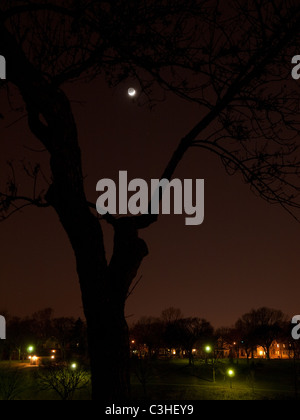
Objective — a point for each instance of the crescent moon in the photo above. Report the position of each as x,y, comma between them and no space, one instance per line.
131,92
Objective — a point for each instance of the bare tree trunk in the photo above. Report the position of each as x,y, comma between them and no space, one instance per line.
104,286
109,354
112,358
104,290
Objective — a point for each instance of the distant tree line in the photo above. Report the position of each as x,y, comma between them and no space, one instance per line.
43,331
257,328
172,330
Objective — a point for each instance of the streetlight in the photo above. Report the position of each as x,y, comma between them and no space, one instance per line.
230,373
34,360
208,350
30,350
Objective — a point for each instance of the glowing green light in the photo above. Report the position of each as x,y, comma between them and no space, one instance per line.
230,373
73,365
30,349
208,349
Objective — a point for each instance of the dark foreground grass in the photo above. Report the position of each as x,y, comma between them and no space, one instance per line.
20,381
174,380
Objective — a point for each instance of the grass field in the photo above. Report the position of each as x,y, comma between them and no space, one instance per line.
173,380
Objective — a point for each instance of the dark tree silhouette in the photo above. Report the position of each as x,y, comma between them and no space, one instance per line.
150,332
232,60
187,332
260,327
171,315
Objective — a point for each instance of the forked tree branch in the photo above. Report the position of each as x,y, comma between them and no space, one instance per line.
199,52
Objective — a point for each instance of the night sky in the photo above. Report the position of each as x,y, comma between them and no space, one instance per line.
244,256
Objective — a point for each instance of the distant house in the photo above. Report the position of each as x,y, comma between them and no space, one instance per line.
278,350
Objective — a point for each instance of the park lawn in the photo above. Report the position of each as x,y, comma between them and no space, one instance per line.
19,381
175,380
172,380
